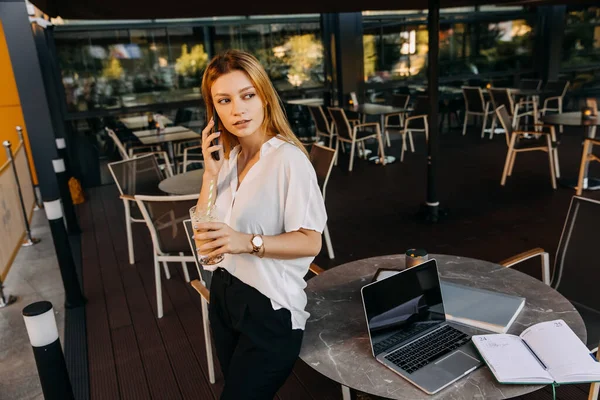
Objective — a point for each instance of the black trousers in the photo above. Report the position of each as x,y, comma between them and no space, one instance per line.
256,345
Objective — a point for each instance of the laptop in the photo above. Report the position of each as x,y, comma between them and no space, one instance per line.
409,333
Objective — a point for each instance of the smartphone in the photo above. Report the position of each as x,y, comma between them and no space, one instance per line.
215,154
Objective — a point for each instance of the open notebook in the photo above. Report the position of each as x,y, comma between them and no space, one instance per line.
545,353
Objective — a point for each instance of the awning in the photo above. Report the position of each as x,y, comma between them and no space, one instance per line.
160,9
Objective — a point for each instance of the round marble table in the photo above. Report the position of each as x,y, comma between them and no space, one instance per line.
186,183
336,340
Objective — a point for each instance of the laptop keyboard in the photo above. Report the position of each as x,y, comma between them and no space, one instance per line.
422,351
398,338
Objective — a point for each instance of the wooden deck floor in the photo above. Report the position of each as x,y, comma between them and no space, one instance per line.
134,355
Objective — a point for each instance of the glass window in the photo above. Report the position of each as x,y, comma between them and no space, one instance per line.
398,50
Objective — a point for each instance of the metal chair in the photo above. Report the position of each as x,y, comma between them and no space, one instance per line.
140,175
128,154
202,286
396,120
586,157
322,125
575,274
353,134
557,90
475,104
519,143
164,216
322,159
416,121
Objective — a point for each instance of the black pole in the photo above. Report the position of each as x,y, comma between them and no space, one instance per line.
49,358
73,296
432,203
38,203
65,194
29,241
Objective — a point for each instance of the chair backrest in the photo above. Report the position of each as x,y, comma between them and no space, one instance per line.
118,143
318,116
140,175
530,84
322,159
474,101
164,216
205,276
505,120
576,273
400,100
342,126
501,97
421,108
557,88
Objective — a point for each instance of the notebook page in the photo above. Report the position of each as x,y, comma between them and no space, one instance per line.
563,353
510,360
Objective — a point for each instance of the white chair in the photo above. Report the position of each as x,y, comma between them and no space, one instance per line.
396,120
139,175
126,155
322,159
164,216
353,134
475,105
322,126
520,143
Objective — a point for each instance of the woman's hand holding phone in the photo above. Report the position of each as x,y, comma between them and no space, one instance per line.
211,166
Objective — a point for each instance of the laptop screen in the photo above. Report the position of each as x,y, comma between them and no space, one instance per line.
406,303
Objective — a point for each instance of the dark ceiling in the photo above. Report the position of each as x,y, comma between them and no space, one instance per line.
160,9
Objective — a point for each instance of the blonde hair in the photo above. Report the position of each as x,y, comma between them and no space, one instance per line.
275,121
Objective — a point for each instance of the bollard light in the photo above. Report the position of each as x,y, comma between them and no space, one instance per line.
49,358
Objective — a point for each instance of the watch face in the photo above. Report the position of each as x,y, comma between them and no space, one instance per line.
257,241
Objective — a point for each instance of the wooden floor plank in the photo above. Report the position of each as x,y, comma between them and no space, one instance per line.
161,382
130,371
102,369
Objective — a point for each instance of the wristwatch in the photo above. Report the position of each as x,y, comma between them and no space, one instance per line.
257,245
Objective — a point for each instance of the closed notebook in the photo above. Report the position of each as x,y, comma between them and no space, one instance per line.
545,353
484,309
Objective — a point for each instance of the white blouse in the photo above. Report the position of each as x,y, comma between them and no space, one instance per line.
279,194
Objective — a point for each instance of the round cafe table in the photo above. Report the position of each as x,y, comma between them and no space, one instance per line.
589,131
181,184
336,341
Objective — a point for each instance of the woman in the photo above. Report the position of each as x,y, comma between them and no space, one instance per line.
272,214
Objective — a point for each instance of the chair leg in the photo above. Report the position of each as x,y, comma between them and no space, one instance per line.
328,243
508,159
129,233
184,267
351,156
483,124
166,268
582,166
159,303
346,395
512,163
412,143
337,153
465,123
208,342
493,126
556,163
551,162
403,146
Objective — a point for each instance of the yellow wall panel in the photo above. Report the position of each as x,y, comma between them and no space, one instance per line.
11,114
8,86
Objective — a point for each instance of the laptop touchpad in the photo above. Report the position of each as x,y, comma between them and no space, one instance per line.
457,362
